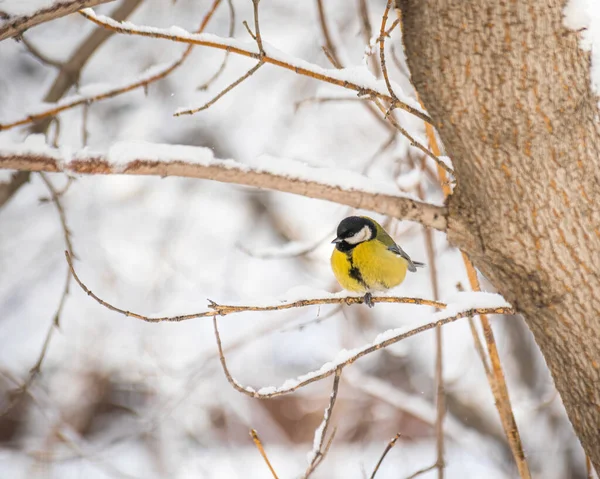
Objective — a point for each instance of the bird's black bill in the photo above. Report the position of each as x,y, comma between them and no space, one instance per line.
337,240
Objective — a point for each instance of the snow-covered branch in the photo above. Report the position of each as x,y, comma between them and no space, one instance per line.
464,305
339,186
357,79
15,25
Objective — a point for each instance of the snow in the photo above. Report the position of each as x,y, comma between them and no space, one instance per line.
154,395
460,303
121,154
25,7
359,75
583,16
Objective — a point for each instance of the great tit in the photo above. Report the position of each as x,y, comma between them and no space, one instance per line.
366,259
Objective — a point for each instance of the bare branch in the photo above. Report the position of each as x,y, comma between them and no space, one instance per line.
9,188
261,449
39,55
382,35
498,384
227,171
224,310
368,33
77,62
231,33
329,48
318,453
239,48
387,449
17,25
390,117
223,92
381,342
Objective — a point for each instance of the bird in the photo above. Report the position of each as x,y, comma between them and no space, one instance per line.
366,259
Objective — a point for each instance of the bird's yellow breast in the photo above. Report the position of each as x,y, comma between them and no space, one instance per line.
370,266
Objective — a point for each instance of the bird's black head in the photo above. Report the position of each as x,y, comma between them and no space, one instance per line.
354,230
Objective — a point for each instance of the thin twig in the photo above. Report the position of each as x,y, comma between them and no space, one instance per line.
318,452
440,393
231,33
422,471
387,449
498,384
390,117
293,385
329,47
224,310
382,35
368,33
261,449
223,92
257,29
588,467
440,403
306,70
15,26
142,82
39,55
55,324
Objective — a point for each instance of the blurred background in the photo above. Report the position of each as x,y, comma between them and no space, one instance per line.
117,397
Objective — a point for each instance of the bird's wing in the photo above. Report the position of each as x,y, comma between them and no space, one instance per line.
412,265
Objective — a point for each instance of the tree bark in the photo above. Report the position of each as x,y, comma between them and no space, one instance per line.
509,91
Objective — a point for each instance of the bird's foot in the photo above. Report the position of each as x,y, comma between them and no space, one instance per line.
368,299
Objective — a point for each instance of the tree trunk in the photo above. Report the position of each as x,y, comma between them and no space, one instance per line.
509,91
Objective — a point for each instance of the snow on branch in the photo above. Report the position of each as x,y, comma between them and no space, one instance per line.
463,305
15,25
358,79
339,186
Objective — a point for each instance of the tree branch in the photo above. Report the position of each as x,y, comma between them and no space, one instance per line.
268,55
17,25
339,186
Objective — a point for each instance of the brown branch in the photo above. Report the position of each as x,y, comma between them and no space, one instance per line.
9,188
294,385
224,310
17,25
39,55
60,87
368,33
498,384
318,452
387,113
227,172
261,449
231,33
387,449
223,92
382,35
422,471
221,44
66,78
329,48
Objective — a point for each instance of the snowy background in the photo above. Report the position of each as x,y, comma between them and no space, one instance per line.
121,398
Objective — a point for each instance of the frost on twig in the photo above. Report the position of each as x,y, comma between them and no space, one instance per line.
340,186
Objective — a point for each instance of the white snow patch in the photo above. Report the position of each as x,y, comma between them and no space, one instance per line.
584,16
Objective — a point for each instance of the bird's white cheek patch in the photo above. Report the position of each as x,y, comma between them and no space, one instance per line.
363,235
